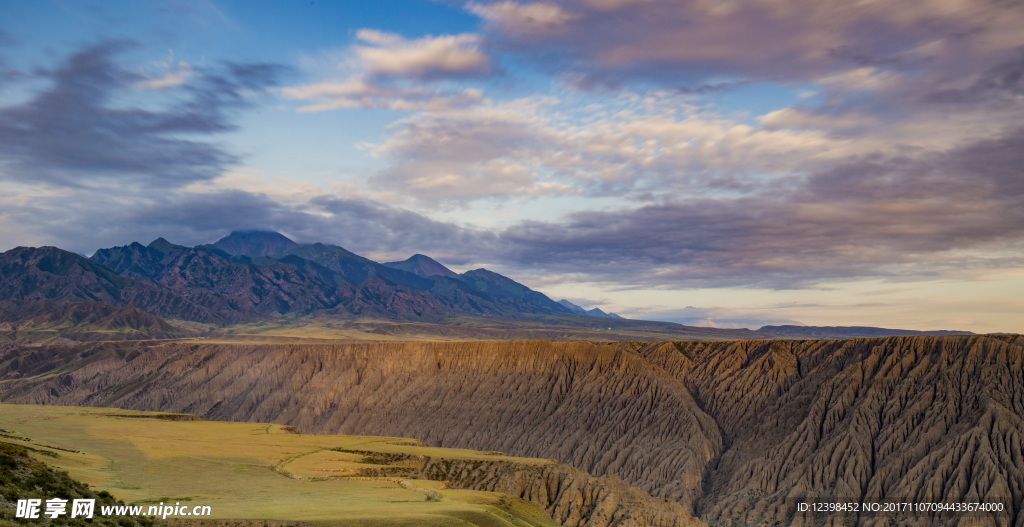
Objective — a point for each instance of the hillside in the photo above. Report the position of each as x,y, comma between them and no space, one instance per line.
43,320
735,432
26,478
49,273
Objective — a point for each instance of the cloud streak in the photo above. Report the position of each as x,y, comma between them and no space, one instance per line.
423,59
72,134
393,72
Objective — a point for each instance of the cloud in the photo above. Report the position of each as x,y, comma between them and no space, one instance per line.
358,92
1003,82
713,317
461,155
801,118
173,73
654,143
392,72
74,133
611,42
87,219
522,19
946,214
895,217
423,59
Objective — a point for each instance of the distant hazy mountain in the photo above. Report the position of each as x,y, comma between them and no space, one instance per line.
580,311
424,266
596,312
572,307
254,243
838,332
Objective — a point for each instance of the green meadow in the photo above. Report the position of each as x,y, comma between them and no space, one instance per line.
258,471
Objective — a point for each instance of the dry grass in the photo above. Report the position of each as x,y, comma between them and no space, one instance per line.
254,471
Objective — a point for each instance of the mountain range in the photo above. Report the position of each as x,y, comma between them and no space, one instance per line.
253,274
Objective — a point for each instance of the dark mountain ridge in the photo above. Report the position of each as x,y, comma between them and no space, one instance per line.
241,279
253,274
49,273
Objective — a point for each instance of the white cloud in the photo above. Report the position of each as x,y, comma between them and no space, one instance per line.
422,59
515,17
170,80
803,119
394,73
650,144
358,92
173,73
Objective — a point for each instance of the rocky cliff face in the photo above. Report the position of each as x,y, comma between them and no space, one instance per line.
734,432
572,497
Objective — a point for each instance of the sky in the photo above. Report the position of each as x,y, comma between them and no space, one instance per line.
711,162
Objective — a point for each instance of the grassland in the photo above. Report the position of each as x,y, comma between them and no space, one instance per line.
258,471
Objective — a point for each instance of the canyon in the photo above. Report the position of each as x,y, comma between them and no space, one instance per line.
734,433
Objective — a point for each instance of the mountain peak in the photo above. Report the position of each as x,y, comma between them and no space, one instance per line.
255,243
595,312
422,265
161,244
572,307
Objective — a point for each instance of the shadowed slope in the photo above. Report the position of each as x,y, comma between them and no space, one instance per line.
49,273
49,319
929,419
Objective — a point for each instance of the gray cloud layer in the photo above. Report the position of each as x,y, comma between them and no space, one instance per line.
689,41
887,217
71,134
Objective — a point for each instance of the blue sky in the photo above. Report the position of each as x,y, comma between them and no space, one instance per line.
708,162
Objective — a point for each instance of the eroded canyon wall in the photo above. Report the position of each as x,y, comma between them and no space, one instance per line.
734,432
